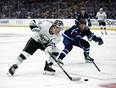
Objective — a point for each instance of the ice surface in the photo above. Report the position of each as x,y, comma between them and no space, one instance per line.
30,72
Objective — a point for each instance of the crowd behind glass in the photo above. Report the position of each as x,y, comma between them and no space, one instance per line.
63,9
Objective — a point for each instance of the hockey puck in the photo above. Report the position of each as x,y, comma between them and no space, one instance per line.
85,79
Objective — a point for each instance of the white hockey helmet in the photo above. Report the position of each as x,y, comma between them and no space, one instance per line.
101,9
59,24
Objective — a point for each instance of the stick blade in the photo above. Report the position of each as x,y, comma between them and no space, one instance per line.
75,78
9,75
106,73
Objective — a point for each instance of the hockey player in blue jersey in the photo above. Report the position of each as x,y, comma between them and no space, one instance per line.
74,37
82,14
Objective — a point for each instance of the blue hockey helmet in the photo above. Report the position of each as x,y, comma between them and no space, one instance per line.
81,21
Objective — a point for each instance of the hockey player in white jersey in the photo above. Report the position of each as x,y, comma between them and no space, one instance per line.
45,33
101,16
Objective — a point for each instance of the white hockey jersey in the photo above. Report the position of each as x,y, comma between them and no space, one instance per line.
42,33
101,16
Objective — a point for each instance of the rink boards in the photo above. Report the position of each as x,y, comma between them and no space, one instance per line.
110,23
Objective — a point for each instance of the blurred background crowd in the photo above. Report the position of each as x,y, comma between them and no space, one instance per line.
62,9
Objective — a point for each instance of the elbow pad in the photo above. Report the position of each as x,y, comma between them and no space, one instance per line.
33,24
36,29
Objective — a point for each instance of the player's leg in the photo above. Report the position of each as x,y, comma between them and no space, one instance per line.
86,47
48,64
104,25
105,30
101,27
68,45
101,30
29,49
19,60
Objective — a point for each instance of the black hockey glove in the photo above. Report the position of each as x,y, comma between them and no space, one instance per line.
89,24
100,41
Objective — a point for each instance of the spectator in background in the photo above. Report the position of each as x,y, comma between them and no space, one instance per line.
38,9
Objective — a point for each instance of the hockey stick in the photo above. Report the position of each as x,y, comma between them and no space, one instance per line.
102,71
96,66
71,78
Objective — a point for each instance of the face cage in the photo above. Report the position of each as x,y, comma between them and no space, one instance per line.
61,27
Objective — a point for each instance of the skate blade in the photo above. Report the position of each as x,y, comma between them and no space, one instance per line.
9,75
48,73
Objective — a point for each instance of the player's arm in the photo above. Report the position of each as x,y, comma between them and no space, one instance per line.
97,15
33,26
75,35
93,37
35,30
98,39
50,46
105,16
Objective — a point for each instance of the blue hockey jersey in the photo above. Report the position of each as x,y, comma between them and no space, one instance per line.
75,33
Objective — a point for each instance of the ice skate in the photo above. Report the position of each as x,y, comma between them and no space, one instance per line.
48,70
105,32
88,59
12,69
102,33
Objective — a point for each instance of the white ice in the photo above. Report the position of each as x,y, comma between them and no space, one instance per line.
30,72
